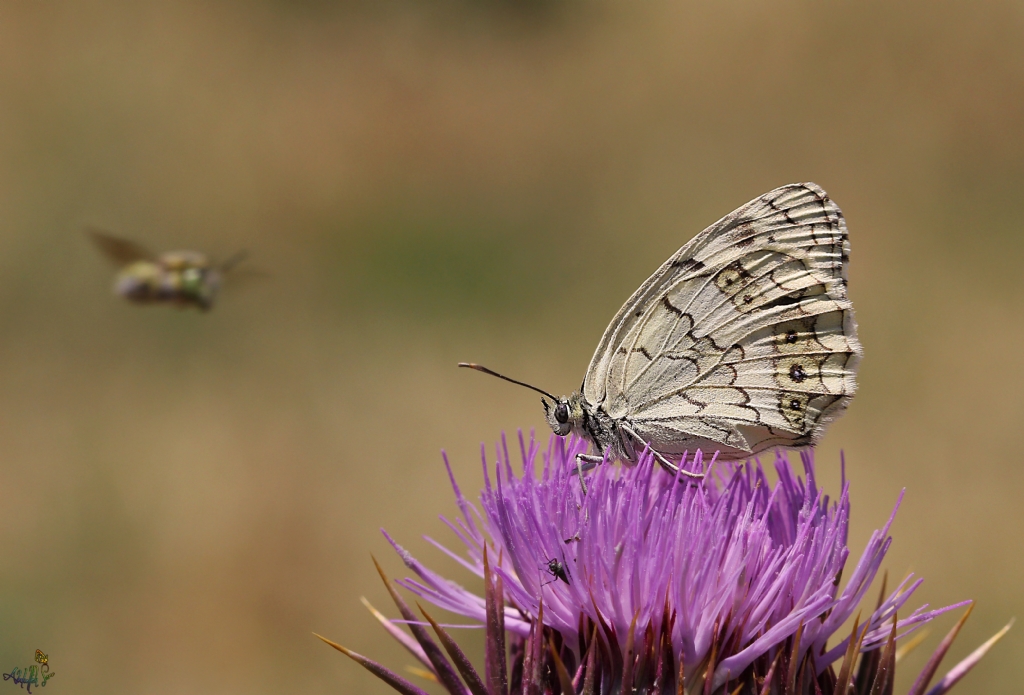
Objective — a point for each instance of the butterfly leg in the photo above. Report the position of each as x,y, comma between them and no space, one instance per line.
589,461
674,469
586,462
665,463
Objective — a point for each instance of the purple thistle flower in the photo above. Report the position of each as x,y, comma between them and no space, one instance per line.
652,584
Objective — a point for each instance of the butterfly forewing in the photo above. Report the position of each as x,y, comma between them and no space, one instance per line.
744,339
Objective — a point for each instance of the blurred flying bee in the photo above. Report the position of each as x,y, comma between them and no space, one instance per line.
181,278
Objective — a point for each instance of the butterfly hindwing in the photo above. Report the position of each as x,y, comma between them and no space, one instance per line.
744,339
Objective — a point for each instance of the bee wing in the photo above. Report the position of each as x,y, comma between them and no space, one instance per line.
118,250
742,340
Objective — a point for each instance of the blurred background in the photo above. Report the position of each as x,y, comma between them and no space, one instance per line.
187,497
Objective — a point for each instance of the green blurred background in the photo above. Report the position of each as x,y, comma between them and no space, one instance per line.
187,497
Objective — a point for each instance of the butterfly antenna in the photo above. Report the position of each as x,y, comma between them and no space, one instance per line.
485,370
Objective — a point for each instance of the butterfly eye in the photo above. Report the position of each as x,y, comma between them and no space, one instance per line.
562,413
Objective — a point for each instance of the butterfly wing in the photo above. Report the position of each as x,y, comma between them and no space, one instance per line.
744,339
118,250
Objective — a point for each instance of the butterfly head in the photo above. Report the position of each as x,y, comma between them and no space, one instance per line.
564,414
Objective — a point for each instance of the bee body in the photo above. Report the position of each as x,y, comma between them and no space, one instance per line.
179,278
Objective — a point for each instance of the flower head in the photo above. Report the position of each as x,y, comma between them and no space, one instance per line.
648,582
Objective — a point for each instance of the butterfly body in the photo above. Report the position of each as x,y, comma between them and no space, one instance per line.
742,341
583,419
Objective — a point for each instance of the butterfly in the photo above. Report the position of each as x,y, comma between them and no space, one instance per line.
41,658
743,340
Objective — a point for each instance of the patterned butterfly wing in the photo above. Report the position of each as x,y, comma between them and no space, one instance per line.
744,339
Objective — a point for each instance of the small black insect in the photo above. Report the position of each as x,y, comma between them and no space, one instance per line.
557,570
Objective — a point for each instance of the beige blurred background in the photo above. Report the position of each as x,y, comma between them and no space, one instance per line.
187,497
